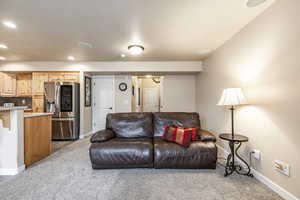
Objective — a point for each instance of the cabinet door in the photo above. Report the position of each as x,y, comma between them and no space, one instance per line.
38,80
24,84
9,83
56,77
37,139
38,104
1,83
71,77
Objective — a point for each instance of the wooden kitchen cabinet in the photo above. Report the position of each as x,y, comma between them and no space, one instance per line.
1,82
71,77
38,80
63,77
8,84
56,77
38,104
37,138
24,83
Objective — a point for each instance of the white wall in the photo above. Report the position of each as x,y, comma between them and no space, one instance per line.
263,59
179,93
12,145
123,99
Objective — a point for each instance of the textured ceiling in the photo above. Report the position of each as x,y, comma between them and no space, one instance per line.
177,30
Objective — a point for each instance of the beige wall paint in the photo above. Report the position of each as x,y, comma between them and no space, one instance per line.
86,123
263,59
179,93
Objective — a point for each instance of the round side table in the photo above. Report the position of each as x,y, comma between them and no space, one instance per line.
231,166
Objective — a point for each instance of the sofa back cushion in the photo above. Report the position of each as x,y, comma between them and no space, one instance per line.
181,119
130,125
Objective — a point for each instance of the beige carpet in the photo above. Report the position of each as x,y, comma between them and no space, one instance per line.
67,174
57,145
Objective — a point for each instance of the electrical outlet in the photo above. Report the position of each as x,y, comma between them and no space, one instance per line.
282,167
256,154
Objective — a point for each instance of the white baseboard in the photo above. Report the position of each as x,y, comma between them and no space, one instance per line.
86,135
273,186
11,171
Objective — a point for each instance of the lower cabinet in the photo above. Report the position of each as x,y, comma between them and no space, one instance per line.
37,138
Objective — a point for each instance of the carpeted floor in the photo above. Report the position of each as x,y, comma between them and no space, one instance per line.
57,145
67,174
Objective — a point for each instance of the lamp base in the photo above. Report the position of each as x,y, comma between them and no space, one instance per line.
231,165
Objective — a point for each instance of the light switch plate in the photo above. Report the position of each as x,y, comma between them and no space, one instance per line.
282,167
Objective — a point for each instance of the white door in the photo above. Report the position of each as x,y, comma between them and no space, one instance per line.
151,99
103,100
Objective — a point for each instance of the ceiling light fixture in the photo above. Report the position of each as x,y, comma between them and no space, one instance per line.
148,76
2,58
71,58
123,55
85,45
9,24
136,49
254,3
3,46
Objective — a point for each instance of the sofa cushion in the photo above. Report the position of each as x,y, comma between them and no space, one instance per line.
122,153
102,136
130,125
162,119
199,155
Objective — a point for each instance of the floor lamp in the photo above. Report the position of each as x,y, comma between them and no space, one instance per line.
232,97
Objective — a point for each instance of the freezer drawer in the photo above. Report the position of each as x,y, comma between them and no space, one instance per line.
65,129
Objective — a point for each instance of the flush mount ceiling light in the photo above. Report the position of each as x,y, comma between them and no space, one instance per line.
123,55
2,58
254,3
9,24
3,46
85,45
136,49
71,58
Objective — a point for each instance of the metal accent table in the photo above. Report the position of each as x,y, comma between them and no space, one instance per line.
231,166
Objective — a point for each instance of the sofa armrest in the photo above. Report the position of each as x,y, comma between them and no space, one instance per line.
206,136
102,136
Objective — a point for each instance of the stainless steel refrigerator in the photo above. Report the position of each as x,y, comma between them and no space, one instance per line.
63,100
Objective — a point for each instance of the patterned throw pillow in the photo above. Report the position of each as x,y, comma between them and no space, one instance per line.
180,135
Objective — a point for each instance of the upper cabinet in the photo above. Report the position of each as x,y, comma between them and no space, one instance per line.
63,77
24,84
20,84
8,84
56,77
71,77
38,80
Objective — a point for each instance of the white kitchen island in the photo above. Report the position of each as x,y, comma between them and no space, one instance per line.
11,140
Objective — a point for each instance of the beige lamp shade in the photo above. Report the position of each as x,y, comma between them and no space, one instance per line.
232,97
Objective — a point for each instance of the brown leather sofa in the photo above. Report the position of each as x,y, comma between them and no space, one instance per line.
132,140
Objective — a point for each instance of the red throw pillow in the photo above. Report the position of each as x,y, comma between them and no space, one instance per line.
192,131
180,135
